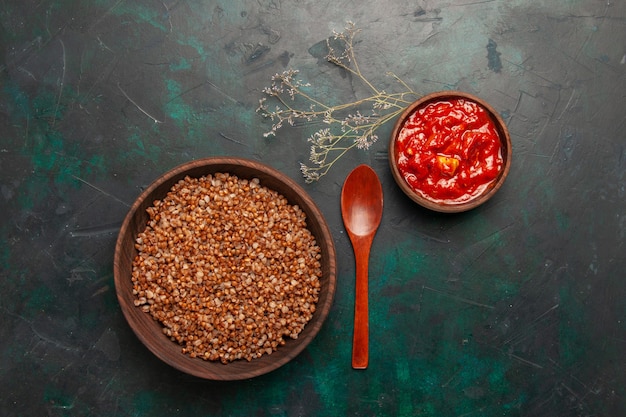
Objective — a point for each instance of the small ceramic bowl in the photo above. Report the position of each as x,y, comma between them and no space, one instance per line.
468,202
150,331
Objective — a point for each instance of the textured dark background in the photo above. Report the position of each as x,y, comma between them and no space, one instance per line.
513,309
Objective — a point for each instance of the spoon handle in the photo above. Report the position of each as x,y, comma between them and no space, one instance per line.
360,341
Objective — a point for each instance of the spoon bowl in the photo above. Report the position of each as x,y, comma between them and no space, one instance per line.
361,210
361,215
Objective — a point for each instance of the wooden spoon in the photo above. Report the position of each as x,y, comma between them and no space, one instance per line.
361,209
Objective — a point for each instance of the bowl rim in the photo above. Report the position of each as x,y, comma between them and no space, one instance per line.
505,139
240,369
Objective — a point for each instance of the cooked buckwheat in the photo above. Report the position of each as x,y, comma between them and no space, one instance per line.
228,267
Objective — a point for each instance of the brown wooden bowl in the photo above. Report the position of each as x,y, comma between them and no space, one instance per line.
149,331
489,192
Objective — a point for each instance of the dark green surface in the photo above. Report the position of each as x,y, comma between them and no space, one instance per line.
513,309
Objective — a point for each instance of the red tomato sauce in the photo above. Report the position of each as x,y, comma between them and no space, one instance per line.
449,150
